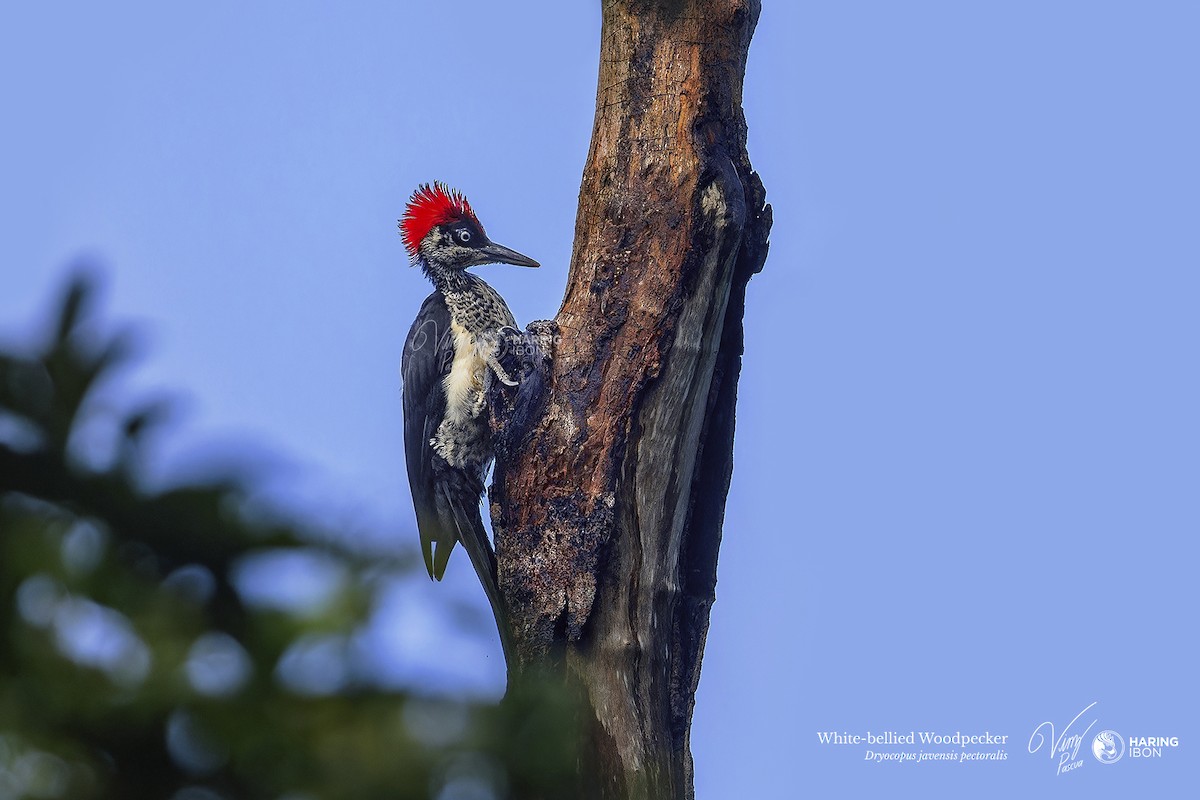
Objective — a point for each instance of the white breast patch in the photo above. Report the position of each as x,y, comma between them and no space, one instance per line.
465,381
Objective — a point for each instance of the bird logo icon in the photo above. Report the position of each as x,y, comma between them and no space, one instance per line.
1108,747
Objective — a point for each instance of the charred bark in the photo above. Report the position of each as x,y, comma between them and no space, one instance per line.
609,491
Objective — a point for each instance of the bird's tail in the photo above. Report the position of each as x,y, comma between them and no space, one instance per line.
461,515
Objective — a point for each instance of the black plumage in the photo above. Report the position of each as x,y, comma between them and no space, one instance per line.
424,365
446,498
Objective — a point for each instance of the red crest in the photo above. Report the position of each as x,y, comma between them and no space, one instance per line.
428,207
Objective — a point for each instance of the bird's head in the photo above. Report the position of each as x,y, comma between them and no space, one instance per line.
441,232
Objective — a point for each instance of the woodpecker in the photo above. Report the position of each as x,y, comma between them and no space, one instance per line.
450,360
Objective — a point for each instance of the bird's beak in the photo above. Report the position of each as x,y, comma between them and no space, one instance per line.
499,254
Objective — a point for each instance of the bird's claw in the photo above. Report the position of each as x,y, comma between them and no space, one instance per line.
499,371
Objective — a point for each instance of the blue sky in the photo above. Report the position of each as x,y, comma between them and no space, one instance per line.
967,447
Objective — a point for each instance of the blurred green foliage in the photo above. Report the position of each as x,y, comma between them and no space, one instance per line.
130,665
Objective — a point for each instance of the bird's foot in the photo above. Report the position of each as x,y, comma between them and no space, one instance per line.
509,355
501,374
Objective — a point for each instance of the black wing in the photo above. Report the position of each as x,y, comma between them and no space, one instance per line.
446,498
428,354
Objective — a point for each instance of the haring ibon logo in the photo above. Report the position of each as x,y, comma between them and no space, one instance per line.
1108,747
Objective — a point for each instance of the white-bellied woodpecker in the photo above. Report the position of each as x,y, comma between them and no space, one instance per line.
450,360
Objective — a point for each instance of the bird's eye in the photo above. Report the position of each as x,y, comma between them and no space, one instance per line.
464,236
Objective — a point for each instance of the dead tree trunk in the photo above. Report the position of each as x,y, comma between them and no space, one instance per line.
608,498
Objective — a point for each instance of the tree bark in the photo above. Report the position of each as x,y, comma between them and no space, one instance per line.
609,491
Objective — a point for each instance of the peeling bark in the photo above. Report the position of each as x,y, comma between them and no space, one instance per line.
609,491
